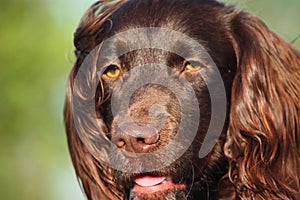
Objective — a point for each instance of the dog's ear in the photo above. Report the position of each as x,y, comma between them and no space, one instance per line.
263,139
96,177
95,24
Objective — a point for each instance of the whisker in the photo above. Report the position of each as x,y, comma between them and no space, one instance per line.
193,177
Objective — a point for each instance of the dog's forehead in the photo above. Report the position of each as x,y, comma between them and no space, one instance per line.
187,28
152,44
154,38
200,20
179,15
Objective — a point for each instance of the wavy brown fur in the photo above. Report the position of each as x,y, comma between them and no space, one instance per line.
262,143
263,137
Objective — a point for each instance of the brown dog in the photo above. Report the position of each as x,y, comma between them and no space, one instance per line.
183,99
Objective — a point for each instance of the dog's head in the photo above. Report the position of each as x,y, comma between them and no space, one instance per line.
159,85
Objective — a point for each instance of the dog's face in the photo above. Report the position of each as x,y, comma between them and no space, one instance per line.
172,79
147,109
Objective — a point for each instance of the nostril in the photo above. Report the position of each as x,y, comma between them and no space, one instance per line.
141,140
151,140
120,143
136,137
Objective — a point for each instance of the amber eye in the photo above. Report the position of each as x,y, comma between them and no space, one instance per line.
192,66
112,72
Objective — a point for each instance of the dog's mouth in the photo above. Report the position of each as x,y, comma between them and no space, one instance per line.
150,184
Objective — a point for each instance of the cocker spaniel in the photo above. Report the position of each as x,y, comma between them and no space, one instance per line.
183,99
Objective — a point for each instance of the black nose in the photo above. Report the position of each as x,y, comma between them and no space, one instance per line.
136,137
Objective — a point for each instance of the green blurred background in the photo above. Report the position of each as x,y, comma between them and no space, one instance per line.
36,55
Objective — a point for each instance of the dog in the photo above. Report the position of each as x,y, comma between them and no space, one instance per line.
182,99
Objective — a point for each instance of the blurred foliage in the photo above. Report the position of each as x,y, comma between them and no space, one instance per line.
34,61
36,55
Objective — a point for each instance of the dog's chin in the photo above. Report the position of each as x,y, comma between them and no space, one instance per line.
168,195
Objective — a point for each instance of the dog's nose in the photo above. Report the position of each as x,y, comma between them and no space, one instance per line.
136,137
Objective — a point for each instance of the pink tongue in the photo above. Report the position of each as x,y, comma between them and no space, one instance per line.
147,181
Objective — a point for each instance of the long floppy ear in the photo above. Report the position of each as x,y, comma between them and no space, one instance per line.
96,177
263,139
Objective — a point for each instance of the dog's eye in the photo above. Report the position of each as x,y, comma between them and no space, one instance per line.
112,72
192,66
